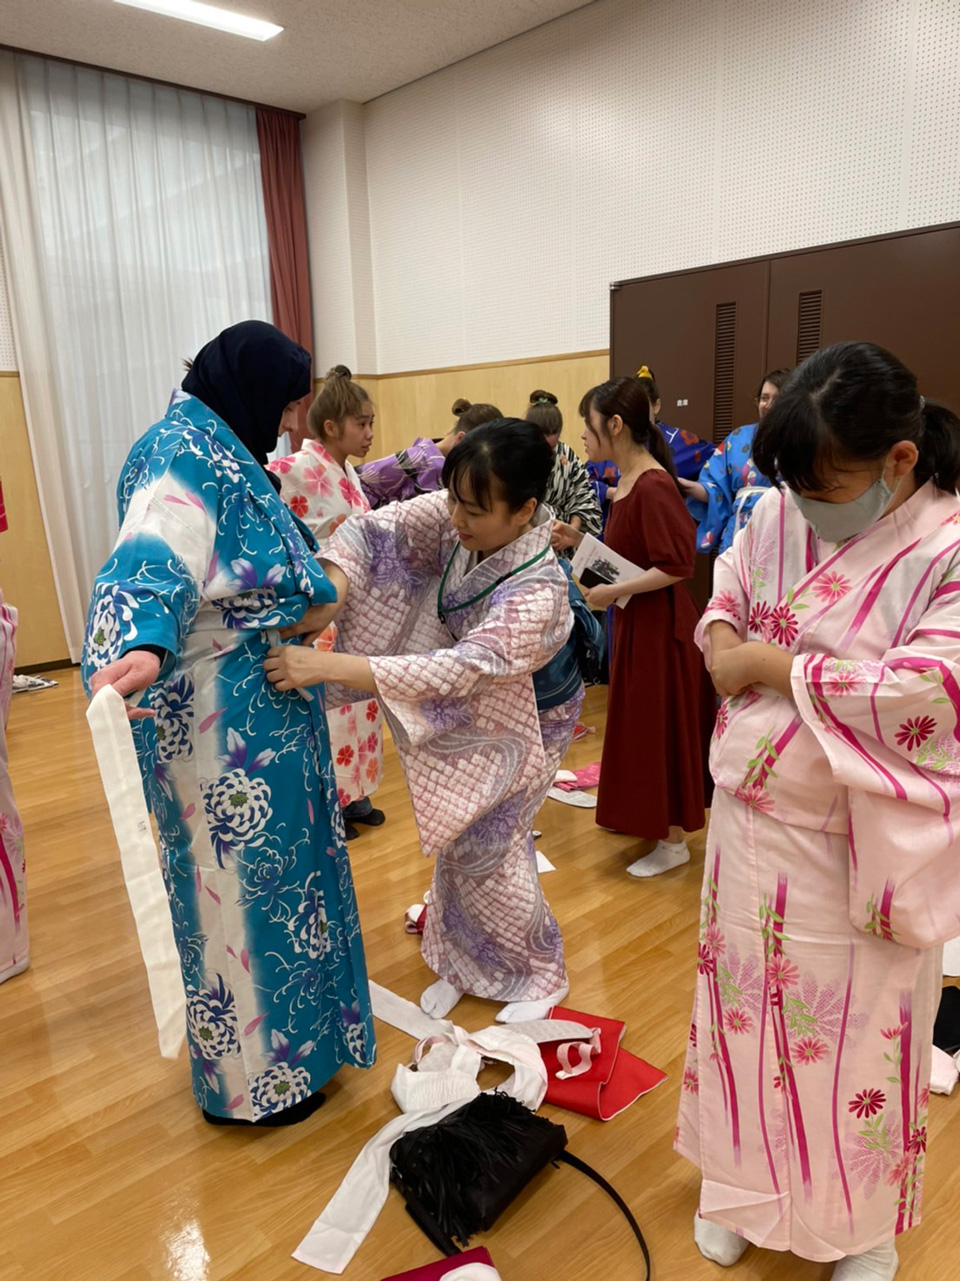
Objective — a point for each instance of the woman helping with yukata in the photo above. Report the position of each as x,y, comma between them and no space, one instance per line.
833,636
448,604
320,486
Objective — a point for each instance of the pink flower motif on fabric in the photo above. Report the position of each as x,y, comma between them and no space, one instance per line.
299,505
831,588
756,796
706,964
713,941
739,1022
891,1033
915,731
781,973
810,1050
867,1102
759,617
317,480
281,466
350,492
723,718
345,756
781,626
841,682
373,710
727,603
691,1082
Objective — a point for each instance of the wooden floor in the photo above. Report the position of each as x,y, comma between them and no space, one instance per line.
107,1170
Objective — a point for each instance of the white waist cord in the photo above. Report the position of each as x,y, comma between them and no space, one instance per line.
120,772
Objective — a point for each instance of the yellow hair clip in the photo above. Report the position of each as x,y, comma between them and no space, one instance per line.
644,372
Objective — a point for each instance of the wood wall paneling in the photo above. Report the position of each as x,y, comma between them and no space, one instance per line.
26,575
418,404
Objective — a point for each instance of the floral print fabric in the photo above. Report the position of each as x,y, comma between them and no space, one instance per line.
238,774
830,863
734,487
323,494
459,698
14,940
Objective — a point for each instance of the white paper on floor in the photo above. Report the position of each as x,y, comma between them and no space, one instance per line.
543,863
582,800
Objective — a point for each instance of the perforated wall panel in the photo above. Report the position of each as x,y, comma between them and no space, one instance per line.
642,136
8,359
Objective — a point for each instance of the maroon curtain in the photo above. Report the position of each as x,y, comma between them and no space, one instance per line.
281,171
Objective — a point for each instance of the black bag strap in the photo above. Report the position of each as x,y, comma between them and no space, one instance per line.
432,1230
569,1159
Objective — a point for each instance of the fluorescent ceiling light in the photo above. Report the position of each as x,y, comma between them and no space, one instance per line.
208,15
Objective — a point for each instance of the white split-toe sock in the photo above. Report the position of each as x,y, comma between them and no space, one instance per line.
661,859
879,1264
717,1243
439,999
527,1011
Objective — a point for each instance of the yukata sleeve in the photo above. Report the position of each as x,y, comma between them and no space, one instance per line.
890,728
427,694
384,481
149,591
716,515
580,499
730,601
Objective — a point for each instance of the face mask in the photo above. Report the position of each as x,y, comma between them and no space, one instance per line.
836,522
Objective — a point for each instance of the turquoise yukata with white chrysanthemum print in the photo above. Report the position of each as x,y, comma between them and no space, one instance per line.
238,774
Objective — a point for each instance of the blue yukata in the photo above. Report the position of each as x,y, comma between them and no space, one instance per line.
689,451
734,487
238,774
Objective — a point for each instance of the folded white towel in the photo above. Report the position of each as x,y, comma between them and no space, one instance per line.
944,1072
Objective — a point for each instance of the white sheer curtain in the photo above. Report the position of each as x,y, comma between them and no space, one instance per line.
133,229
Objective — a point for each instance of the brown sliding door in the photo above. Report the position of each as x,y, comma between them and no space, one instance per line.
703,333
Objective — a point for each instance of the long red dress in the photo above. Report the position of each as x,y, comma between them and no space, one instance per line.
661,707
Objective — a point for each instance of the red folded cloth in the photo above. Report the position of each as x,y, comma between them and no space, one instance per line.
616,1077
435,1271
589,776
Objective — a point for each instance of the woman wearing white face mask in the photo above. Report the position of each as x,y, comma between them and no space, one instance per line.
834,638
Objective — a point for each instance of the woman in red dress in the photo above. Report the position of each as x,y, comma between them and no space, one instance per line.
654,776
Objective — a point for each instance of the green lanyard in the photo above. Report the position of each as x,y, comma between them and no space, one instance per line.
454,609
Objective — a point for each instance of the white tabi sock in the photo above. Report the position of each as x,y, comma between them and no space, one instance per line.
661,859
439,999
527,1011
716,1243
879,1264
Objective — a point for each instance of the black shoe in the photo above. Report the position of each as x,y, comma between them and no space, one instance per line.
292,1115
373,818
350,832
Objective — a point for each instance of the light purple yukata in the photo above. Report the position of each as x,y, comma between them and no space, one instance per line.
830,880
459,699
403,475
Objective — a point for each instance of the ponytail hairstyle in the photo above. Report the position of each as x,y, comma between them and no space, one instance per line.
544,413
469,416
647,377
847,405
630,398
505,459
338,399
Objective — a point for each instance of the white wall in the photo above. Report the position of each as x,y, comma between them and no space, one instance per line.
633,137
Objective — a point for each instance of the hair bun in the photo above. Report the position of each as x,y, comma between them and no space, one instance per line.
339,371
459,406
541,397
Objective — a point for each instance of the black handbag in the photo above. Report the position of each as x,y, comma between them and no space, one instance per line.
458,1175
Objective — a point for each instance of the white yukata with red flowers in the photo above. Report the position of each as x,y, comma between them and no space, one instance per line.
323,494
830,881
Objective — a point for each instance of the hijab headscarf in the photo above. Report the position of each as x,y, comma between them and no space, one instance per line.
248,375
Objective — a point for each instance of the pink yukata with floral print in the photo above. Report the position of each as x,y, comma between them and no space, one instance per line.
14,940
829,882
323,494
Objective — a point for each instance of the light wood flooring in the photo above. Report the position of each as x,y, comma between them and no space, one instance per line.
108,1172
